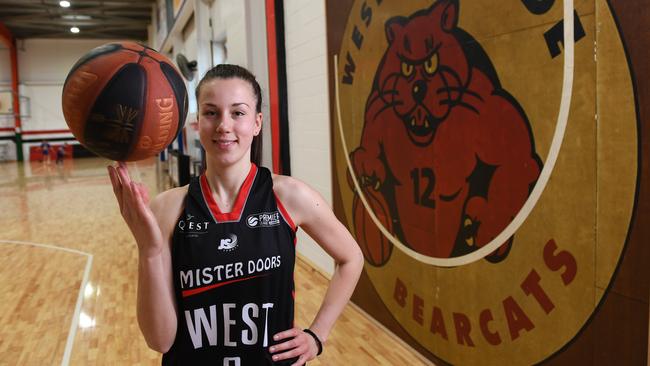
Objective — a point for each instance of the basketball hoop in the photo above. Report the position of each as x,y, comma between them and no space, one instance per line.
7,105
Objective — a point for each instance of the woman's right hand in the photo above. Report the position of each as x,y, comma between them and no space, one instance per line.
133,199
156,307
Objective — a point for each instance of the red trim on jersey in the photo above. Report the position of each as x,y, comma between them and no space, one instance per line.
198,290
240,201
285,214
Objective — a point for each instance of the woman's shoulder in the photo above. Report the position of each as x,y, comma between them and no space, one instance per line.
287,188
172,194
297,197
169,203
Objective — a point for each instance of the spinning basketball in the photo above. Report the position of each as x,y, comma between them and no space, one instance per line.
124,101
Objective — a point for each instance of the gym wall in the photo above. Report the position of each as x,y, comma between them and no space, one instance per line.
500,223
308,100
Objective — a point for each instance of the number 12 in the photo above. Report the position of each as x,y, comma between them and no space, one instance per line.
423,198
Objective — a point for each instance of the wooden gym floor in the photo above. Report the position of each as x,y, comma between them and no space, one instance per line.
68,276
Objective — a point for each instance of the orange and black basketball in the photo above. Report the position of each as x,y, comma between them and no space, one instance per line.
124,101
375,246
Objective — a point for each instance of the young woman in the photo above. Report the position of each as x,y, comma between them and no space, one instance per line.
216,257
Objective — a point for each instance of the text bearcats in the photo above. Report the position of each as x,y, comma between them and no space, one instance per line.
516,318
200,323
223,272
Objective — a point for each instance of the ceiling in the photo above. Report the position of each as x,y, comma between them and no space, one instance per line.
115,19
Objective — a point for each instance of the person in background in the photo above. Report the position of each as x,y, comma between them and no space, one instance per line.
45,151
60,153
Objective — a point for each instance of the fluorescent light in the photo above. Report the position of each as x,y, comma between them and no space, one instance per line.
76,17
74,30
64,4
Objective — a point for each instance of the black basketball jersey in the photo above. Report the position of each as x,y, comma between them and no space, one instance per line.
233,275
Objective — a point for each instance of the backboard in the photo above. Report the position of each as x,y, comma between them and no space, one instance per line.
7,106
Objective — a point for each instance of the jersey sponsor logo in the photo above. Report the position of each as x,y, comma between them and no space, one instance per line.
192,227
208,323
263,219
252,221
198,280
228,244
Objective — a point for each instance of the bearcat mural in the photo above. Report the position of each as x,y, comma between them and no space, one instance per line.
445,112
447,157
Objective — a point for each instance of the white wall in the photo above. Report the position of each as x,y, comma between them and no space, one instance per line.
308,101
229,24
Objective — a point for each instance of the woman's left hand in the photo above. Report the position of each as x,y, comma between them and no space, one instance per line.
297,344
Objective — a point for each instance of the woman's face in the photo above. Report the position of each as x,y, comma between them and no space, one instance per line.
228,120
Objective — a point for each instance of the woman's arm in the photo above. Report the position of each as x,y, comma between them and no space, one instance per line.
309,210
152,226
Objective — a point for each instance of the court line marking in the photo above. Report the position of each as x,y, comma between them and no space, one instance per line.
77,310
536,193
